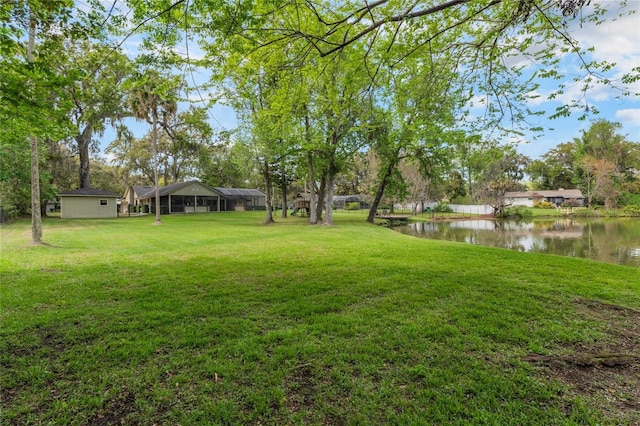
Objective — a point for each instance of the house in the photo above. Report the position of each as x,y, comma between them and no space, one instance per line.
556,197
191,197
88,203
131,202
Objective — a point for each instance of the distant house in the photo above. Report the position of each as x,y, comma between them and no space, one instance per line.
340,201
88,203
556,197
131,202
191,197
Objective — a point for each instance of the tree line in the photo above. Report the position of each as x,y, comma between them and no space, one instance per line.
379,99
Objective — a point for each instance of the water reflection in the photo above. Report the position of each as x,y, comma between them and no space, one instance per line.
613,241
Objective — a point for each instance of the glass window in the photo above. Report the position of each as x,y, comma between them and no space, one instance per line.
103,202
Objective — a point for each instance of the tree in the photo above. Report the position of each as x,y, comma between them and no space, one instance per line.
455,186
352,179
474,40
97,94
188,134
420,185
222,164
599,180
421,101
480,37
605,163
555,169
32,107
132,157
501,175
152,98
341,106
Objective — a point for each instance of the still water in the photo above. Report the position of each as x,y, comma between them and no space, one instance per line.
605,240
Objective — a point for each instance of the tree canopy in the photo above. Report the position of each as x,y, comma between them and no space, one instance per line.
416,89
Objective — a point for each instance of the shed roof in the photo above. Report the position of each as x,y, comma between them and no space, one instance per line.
88,192
565,193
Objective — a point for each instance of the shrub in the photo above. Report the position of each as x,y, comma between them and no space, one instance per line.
631,210
352,206
442,208
586,212
518,212
8,214
543,205
631,199
462,199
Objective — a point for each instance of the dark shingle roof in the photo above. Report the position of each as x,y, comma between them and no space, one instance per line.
149,191
140,190
88,192
165,190
230,192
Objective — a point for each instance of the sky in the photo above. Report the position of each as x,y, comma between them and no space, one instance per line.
614,41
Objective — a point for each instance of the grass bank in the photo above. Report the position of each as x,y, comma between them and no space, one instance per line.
217,319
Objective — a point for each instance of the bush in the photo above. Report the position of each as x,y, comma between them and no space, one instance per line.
352,206
631,199
8,214
631,210
462,199
586,212
543,205
442,208
518,212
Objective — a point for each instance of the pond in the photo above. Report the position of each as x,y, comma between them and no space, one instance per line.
605,240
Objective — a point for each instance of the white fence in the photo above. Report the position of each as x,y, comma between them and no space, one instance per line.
457,208
471,209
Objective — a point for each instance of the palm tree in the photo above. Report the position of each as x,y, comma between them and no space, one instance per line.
152,98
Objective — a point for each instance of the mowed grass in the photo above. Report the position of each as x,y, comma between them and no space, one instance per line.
218,319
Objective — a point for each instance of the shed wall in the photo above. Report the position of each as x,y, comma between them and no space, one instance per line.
87,207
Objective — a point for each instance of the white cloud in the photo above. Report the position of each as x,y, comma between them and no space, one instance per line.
614,40
629,115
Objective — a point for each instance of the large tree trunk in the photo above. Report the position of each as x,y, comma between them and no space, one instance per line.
83,140
380,192
283,188
43,208
36,218
268,201
320,195
313,217
331,175
328,215
154,148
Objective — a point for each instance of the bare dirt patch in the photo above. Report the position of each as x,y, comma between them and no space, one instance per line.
301,389
117,410
607,372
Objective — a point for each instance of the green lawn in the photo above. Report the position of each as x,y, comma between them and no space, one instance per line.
217,319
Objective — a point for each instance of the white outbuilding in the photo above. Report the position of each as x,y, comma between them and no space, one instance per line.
88,203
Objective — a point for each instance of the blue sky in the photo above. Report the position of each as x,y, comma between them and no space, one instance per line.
614,41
